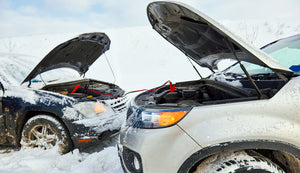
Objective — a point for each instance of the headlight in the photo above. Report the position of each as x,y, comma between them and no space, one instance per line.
155,118
90,109
99,108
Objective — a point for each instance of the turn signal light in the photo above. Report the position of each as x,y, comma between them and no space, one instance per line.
169,118
99,108
84,140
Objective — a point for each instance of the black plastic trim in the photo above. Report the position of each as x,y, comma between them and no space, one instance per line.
1,95
127,155
238,145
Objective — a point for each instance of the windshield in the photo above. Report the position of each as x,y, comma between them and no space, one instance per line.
54,76
286,51
14,67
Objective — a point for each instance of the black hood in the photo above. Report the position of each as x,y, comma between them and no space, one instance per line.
78,53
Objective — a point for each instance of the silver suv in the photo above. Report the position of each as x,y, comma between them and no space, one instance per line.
245,118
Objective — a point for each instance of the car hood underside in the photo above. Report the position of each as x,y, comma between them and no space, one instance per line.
78,53
201,38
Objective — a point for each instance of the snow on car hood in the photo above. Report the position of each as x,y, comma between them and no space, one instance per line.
201,38
78,53
36,97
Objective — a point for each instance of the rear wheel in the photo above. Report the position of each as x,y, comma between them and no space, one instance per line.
46,132
238,162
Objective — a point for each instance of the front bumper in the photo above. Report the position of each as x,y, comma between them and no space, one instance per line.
131,161
154,150
91,131
83,142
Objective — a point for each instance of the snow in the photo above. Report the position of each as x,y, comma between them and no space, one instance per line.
222,78
104,122
139,57
50,161
30,96
107,120
237,160
27,95
15,66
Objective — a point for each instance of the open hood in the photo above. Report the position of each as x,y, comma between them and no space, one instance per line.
78,53
201,38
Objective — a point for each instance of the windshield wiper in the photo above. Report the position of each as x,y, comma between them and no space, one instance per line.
265,76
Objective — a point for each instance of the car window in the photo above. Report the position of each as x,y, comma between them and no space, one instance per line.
251,68
286,51
3,79
14,67
57,75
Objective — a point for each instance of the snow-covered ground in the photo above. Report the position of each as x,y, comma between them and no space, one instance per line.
50,161
140,59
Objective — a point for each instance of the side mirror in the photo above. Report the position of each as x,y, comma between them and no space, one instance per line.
295,68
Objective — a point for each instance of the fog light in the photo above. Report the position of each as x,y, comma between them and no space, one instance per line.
132,160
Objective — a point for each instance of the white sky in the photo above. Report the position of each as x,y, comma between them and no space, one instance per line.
24,17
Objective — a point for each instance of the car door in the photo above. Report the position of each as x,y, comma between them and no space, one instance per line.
2,119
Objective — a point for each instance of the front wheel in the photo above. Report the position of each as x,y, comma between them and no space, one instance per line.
238,162
45,132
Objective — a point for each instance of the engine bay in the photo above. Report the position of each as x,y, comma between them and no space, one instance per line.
204,92
86,88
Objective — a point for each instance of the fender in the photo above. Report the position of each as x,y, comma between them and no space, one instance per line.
238,145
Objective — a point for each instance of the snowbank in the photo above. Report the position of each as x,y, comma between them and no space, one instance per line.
50,161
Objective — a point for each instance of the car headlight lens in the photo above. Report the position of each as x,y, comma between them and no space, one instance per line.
155,118
99,108
90,109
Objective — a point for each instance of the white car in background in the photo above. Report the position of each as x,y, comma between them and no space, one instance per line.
243,119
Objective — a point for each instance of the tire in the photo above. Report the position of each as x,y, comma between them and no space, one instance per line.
46,132
238,162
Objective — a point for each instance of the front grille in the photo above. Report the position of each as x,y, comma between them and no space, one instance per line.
118,104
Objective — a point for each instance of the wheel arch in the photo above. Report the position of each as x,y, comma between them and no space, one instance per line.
198,156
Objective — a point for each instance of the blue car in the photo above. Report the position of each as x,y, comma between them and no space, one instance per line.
46,111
